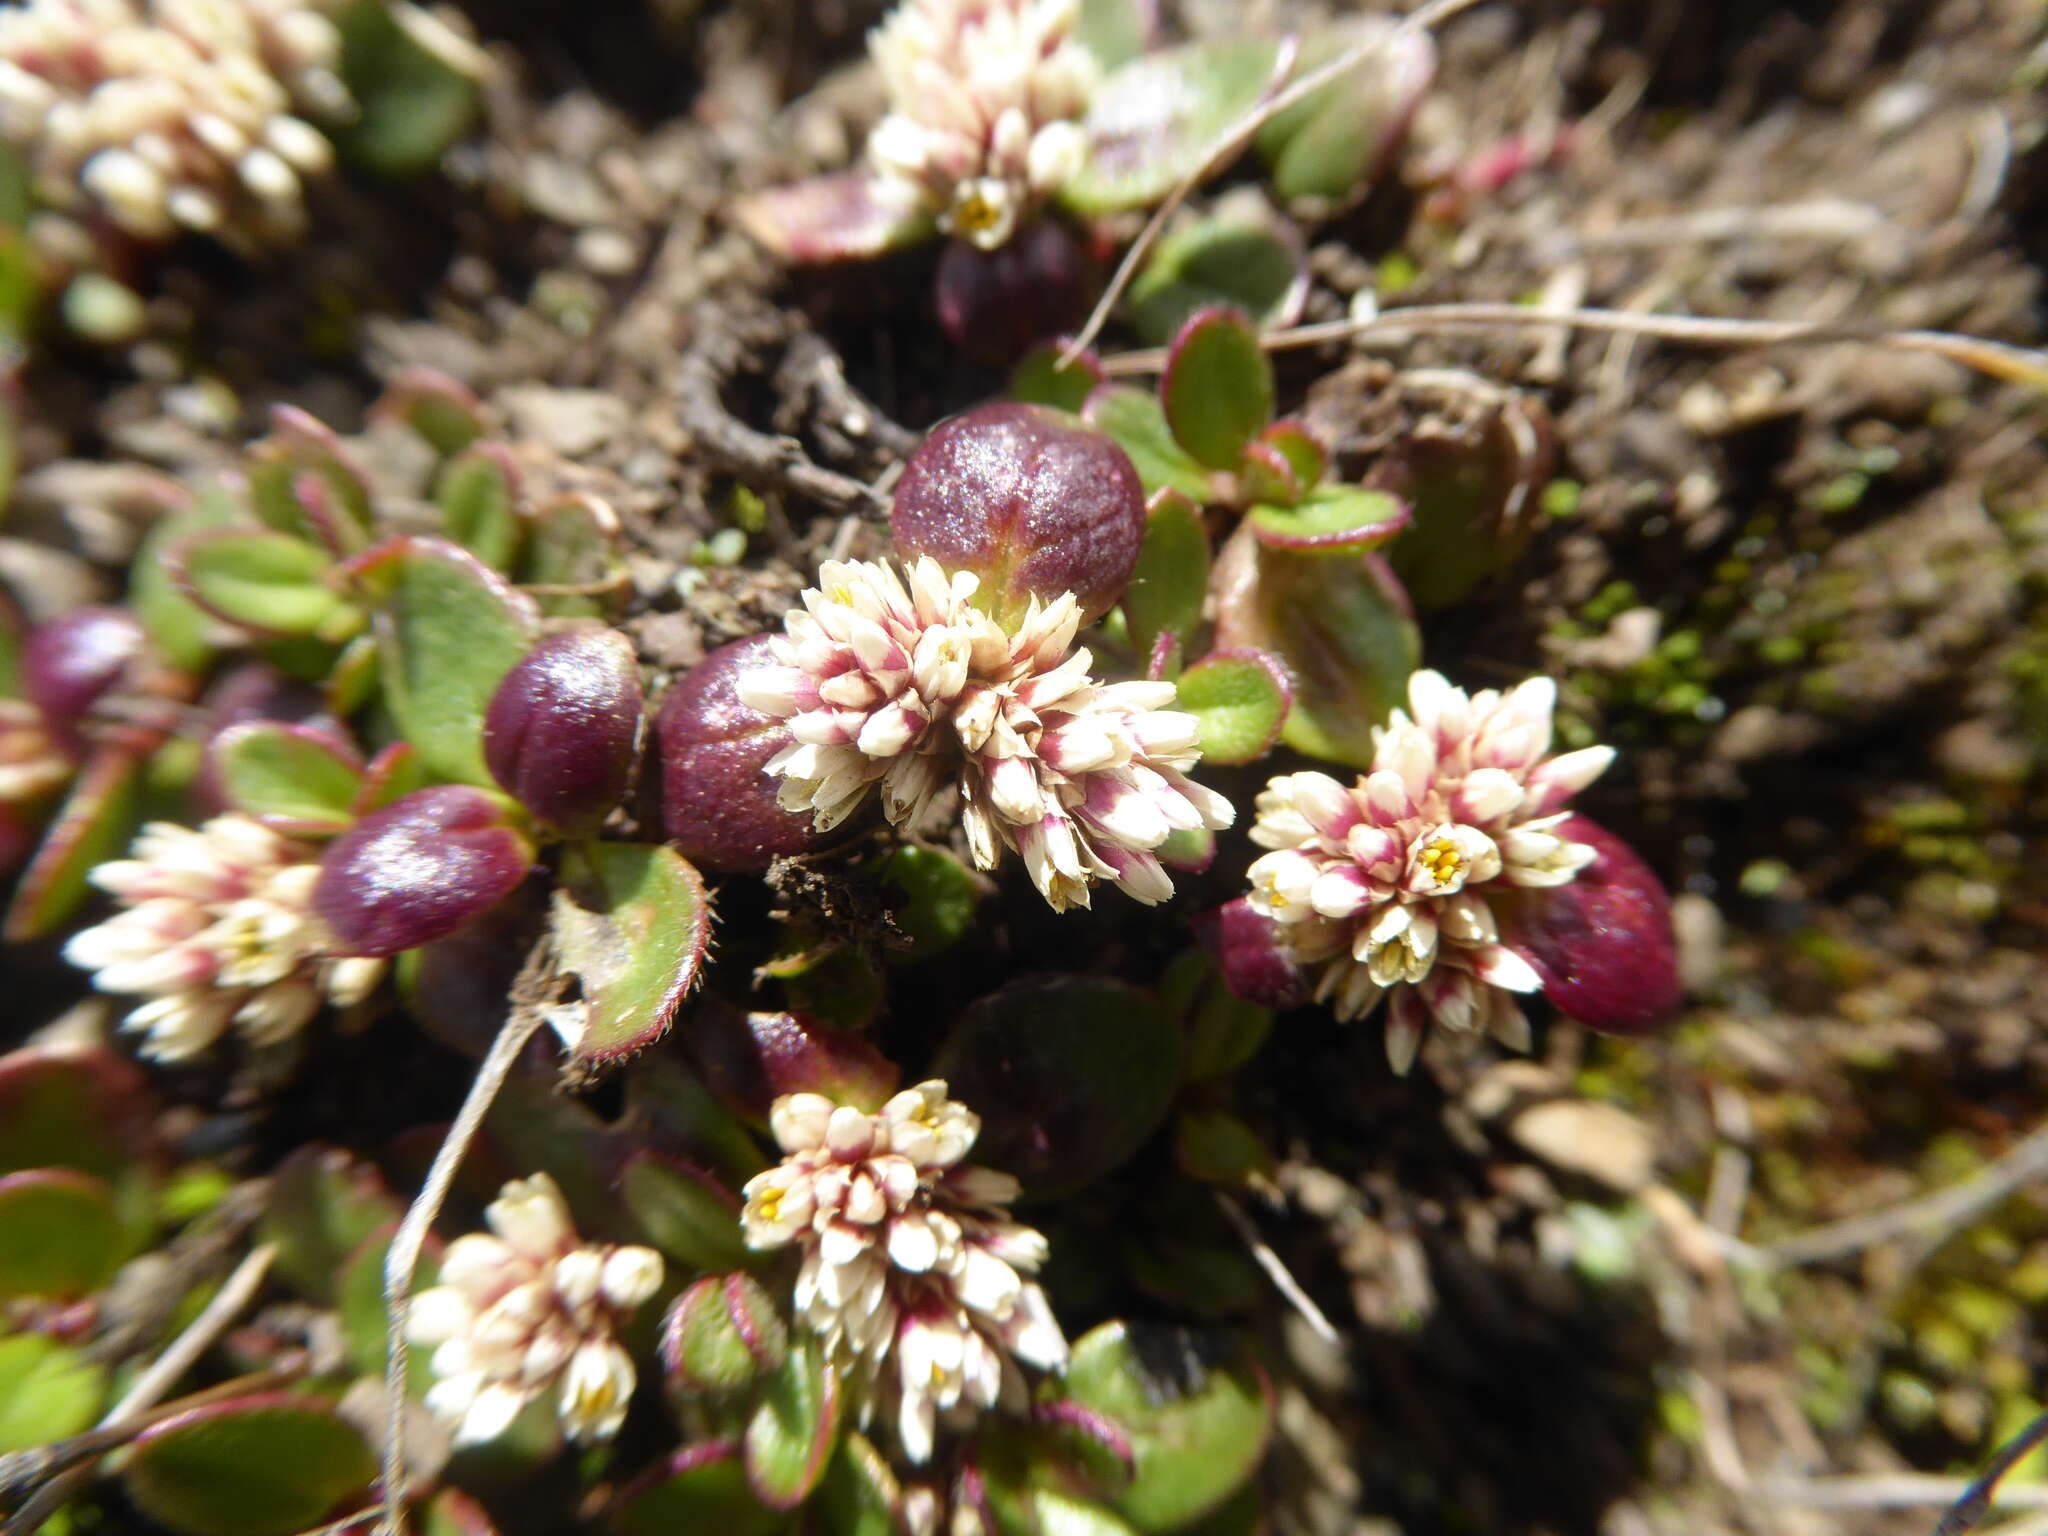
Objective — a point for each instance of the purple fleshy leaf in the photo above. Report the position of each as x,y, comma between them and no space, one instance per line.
1603,944
842,217
418,870
717,803
752,1059
996,304
1030,500
69,663
1246,946
562,731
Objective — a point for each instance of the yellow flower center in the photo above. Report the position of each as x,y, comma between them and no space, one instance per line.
975,213
1444,860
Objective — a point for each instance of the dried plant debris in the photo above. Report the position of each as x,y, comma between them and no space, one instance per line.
564,752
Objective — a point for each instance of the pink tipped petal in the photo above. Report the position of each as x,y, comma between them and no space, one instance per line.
1499,966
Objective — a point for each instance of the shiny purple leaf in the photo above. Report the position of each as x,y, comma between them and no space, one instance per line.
418,870
1246,947
69,663
562,731
717,803
1030,500
1603,944
996,304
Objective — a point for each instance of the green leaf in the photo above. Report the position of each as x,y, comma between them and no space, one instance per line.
1155,120
96,822
48,1392
1302,450
1331,519
1134,419
632,922
1217,1147
1071,1075
293,777
63,1234
1181,1254
1217,391
352,680
1241,698
89,1110
267,1465
391,775
1331,144
359,1301
454,1513
1267,477
1242,1514
571,542
701,1488
1199,1428
937,897
448,630
359,1297
1054,1510
478,494
322,1206
1248,259
1223,1031
302,483
413,101
178,627
860,1494
687,1215
1339,626
827,980
722,1335
269,583
795,1427
1477,495
1172,574
1038,379
444,413
1115,31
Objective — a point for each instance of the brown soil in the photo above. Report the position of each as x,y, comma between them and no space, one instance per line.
1801,589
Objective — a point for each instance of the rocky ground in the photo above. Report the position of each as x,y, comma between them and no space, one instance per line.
1801,588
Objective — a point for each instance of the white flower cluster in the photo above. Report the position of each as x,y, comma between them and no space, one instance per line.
527,1308
1394,885
912,688
217,928
984,102
914,1276
171,115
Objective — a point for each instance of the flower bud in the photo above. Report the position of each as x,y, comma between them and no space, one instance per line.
562,731
717,802
1247,949
1031,501
69,663
752,1059
723,1333
995,304
418,870
1603,944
